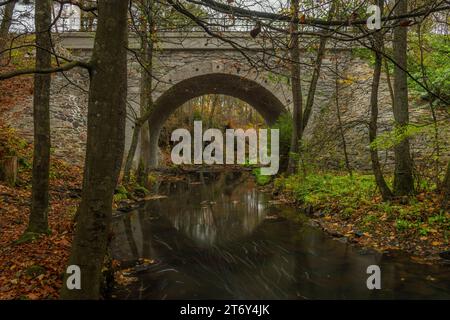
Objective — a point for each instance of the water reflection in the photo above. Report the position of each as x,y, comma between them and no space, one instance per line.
211,239
224,219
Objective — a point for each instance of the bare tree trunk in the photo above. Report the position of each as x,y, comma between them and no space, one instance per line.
316,73
403,177
5,25
105,146
146,94
144,159
341,127
388,79
297,112
373,124
132,151
446,189
146,103
430,104
38,222
8,170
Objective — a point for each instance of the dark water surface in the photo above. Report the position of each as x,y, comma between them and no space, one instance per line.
216,238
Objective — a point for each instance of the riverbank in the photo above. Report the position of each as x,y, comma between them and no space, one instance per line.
351,209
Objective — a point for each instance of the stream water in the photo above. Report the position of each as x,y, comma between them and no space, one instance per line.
217,237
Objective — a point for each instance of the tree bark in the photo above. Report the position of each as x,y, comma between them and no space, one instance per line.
403,177
146,92
8,170
5,26
446,189
340,124
38,222
373,124
131,151
316,72
146,101
105,147
297,112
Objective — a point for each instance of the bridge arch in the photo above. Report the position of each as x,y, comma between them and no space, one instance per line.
250,91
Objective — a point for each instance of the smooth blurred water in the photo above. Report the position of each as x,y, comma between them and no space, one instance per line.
216,238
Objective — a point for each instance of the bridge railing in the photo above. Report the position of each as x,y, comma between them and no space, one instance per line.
77,24
225,24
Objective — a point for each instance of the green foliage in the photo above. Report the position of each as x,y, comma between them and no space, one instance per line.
277,78
152,179
438,219
35,271
436,50
197,115
121,193
141,191
20,58
404,225
347,212
364,54
370,218
28,237
261,180
316,189
436,54
390,139
11,144
284,124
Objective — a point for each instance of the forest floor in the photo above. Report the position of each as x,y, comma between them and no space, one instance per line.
350,208
34,269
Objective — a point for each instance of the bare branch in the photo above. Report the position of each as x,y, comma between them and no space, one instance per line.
64,67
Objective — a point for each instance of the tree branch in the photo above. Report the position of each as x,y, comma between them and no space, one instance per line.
64,67
225,8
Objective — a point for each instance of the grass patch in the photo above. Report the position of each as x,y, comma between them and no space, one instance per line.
261,180
317,189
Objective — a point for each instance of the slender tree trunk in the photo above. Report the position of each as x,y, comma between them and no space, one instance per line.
430,104
146,101
144,159
341,127
446,189
403,177
373,124
105,147
297,112
132,151
4,27
38,222
316,73
146,92
388,79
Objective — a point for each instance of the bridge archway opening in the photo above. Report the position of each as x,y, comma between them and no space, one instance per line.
249,91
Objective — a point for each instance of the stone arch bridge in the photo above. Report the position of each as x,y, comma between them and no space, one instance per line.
188,65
